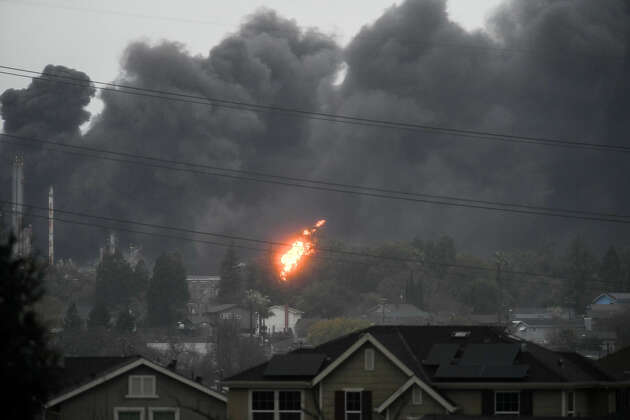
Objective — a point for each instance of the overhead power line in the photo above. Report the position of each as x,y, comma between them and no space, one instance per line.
314,115
258,241
319,185
360,36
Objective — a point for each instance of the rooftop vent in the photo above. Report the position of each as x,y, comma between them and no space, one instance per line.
460,334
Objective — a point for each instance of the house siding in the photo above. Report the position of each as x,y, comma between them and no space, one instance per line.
98,403
467,401
428,406
383,381
547,403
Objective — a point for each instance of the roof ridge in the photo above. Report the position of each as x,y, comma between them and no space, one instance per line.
413,356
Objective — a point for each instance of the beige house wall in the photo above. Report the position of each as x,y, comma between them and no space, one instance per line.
468,401
383,381
98,403
404,407
547,403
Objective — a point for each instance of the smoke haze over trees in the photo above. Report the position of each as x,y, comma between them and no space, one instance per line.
544,68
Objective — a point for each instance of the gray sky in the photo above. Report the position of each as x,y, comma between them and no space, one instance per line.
91,35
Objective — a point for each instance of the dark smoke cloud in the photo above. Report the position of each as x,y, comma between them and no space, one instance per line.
47,108
411,64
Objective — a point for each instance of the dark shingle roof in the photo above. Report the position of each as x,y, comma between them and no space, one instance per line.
413,344
78,370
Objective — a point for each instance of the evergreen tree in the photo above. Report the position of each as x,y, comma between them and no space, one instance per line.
230,287
168,291
28,363
414,291
126,322
610,271
99,316
580,270
72,320
114,281
140,279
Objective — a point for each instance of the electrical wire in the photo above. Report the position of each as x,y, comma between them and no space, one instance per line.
317,185
314,115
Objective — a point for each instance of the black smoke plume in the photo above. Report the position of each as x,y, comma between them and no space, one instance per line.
544,68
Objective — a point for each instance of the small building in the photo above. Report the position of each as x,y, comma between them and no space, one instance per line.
230,312
130,388
282,319
541,330
397,314
202,291
608,305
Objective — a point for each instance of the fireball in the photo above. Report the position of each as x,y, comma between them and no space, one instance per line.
301,247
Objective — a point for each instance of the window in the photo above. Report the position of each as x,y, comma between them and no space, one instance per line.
570,403
416,396
263,405
163,413
506,402
369,359
353,405
276,405
141,386
290,404
128,413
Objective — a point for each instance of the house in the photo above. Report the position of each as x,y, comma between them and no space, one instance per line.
406,372
542,330
617,363
397,314
282,319
202,290
130,388
243,319
608,305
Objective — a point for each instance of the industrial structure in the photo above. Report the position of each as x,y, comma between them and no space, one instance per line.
22,234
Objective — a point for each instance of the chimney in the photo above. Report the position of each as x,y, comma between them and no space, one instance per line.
286,317
172,365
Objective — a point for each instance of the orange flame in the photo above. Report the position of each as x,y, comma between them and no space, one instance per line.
301,247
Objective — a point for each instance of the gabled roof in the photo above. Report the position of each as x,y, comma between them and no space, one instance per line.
290,309
116,370
449,406
411,345
214,309
618,297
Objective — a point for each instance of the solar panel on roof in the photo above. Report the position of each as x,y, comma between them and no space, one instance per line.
441,353
507,372
481,372
298,364
455,371
490,354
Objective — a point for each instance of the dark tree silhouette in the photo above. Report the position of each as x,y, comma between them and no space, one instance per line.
72,320
168,292
99,316
28,364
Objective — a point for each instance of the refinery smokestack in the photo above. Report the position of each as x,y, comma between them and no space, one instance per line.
17,200
51,226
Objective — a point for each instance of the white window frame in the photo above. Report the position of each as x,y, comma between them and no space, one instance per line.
276,403
518,394
345,403
416,395
142,394
118,410
163,409
368,356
